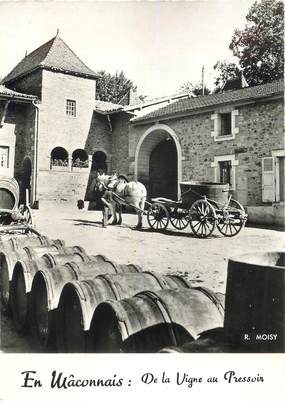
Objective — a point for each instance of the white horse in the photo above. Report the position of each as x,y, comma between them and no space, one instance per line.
118,192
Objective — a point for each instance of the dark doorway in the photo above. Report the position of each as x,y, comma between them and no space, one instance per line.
99,162
99,165
26,180
163,170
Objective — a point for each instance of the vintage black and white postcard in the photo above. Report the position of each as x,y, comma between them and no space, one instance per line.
142,201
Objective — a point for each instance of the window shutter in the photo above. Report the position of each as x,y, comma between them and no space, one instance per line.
268,187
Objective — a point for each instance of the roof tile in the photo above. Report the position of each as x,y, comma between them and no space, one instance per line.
191,104
13,94
55,54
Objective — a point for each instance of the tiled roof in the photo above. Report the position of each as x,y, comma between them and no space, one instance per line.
56,55
193,104
107,107
13,94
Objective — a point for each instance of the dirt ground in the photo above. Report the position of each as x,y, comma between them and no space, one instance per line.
204,261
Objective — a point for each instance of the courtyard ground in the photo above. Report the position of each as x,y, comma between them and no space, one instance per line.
203,261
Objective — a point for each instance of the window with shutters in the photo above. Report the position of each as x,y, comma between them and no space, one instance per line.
268,182
273,177
281,179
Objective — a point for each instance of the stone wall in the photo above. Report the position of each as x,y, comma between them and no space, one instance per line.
59,185
121,158
55,127
88,130
260,130
7,139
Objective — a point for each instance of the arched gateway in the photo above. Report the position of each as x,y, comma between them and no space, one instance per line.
158,161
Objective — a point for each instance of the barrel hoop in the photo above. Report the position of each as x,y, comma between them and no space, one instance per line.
74,267
83,256
60,243
78,288
162,283
49,259
115,265
164,311
79,249
45,274
106,278
45,241
180,278
211,295
138,267
121,315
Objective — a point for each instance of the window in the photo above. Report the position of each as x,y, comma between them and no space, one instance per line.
80,158
225,168
226,124
71,107
4,157
59,157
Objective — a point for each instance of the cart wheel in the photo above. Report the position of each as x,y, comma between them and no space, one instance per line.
202,218
232,220
26,211
179,218
158,216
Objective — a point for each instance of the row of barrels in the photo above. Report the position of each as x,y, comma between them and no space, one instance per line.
74,302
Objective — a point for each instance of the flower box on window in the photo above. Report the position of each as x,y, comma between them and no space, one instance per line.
59,165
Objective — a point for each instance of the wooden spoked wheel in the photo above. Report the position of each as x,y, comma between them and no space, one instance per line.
158,216
202,218
179,218
27,214
232,220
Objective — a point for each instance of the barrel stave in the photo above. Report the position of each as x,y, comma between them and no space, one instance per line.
162,318
118,286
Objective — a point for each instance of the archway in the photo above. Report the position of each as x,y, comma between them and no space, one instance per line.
59,157
99,163
158,162
163,170
80,158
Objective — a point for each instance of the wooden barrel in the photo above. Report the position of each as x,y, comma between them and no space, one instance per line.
255,301
23,274
48,284
20,241
79,299
192,191
151,321
212,341
9,193
131,268
8,259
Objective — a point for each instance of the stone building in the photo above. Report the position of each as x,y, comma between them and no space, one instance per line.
62,136
234,136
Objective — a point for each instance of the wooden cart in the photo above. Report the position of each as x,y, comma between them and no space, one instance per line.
204,206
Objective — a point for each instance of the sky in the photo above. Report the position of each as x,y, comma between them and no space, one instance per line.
158,44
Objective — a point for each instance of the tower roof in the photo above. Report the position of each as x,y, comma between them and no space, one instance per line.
53,55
